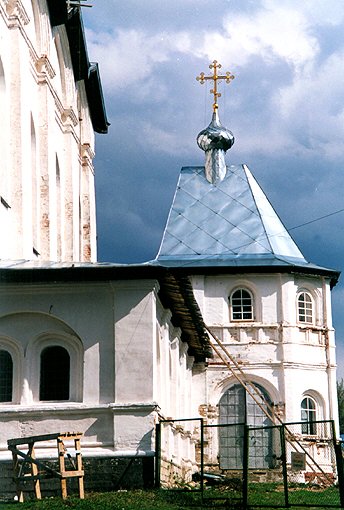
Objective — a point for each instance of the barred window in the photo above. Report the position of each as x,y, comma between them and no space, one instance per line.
308,416
236,408
6,376
305,308
241,305
55,373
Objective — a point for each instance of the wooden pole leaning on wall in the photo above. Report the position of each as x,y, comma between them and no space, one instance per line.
28,468
237,371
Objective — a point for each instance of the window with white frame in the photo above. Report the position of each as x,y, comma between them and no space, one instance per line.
308,416
241,304
305,312
6,376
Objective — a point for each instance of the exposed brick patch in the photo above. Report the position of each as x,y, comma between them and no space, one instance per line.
45,222
208,411
311,477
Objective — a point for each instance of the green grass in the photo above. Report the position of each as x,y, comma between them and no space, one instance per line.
265,494
260,495
130,500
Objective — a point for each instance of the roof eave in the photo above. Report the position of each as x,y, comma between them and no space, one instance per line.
58,12
210,268
176,292
82,68
77,43
95,98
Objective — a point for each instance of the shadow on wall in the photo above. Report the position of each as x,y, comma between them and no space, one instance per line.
101,431
146,443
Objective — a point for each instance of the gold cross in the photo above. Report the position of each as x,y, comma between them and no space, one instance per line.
228,77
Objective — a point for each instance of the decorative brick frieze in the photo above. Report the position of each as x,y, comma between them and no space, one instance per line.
68,116
16,12
86,155
44,67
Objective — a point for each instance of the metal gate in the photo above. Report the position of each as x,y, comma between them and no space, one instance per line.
293,468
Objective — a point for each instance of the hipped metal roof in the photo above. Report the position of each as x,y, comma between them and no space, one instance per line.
228,224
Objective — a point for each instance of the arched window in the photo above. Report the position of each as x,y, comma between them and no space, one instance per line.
55,373
305,308
308,416
241,303
6,376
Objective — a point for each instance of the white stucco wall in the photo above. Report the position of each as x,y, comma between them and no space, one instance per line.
47,159
118,384
287,358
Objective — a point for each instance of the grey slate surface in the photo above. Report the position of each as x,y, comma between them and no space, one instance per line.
231,219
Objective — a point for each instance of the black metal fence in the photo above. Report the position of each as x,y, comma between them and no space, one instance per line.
287,465
305,469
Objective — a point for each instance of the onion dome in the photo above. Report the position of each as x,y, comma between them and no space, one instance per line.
215,140
215,136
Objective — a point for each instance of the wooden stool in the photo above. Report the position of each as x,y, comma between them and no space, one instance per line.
39,470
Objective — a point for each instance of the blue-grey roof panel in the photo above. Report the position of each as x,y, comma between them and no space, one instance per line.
226,218
252,261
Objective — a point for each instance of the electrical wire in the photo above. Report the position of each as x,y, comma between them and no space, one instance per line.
316,219
257,239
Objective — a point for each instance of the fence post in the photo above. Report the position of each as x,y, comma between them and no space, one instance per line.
157,481
202,459
245,463
340,464
340,473
284,465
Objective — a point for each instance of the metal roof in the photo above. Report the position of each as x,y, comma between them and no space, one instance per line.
228,225
229,219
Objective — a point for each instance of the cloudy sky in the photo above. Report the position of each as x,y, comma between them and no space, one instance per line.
285,108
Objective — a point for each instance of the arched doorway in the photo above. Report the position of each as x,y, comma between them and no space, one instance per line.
237,408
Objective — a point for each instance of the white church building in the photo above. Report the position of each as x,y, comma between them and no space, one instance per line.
110,350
